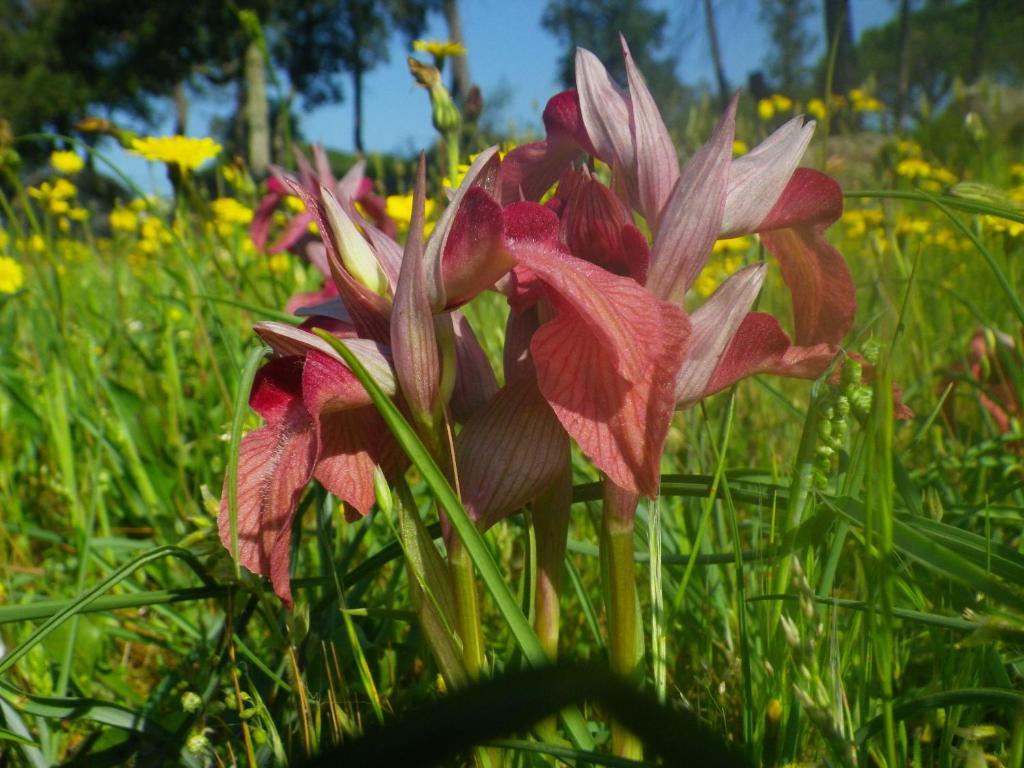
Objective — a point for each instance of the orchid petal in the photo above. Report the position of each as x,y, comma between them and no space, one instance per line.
761,346
509,451
474,255
605,109
657,167
519,330
563,121
297,226
714,325
757,179
355,252
276,387
692,218
286,339
274,464
259,227
413,341
819,280
530,170
607,363
475,382
352,443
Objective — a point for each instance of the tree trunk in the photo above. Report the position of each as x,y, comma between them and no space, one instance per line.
357,105
180,109
903,89
461,82
257,110
716,53
839,33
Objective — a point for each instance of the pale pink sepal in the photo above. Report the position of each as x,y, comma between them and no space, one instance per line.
714,324
757,179
605,109
657,167
413,341
692,218
475,382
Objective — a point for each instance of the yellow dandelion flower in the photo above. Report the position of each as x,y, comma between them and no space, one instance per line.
59,207
279,263
36,244
1017,170
230,211
12,277
4,239
186,152
439,49
294,203
123,220
909,225
765,109
739,147
781,102
868,104
66,162
816,108
857,94
63,190
79,214
913,168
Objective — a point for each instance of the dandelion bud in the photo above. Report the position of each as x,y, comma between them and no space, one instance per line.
444,113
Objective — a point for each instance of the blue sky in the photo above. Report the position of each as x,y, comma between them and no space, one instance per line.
508,49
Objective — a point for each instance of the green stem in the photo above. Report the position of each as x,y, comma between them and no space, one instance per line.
451,143
467,607
625,634
551,526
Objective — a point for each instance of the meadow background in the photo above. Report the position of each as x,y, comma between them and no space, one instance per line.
128,290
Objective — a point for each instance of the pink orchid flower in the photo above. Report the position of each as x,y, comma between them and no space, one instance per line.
353,189
688,208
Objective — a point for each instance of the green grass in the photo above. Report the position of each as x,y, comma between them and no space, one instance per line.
867,604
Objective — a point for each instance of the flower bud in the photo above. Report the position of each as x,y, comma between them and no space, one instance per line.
443,112
358,258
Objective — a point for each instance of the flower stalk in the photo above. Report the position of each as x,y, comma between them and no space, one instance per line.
622,604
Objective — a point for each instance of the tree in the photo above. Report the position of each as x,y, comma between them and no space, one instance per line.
943,37
839,34
786,62
716,53
596,24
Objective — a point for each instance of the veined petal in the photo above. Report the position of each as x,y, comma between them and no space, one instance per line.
259,227
329,386
607,363
530,170
605,109
819,280
276,387
657,167
563,120
483,172
352,443
510,450
692,218
413,342
287,339
757,179
275,462
475,382
714,325
519,330
761,346
474,254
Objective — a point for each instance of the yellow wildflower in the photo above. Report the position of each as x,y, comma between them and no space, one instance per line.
908,225
66,162
1017,171
399,209
36,243
439,49
716,272
914,168
79,214
765,109
230,211
185,152
999,224
12,277
123,220
857,94
59,207
278,263
868,104
944,175
733,245
3,239
739,147
781,102
294,203
816,109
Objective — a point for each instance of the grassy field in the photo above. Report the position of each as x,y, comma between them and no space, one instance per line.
817,587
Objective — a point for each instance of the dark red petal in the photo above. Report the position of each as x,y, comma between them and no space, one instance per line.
474,255
276,386
508,452
352,443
